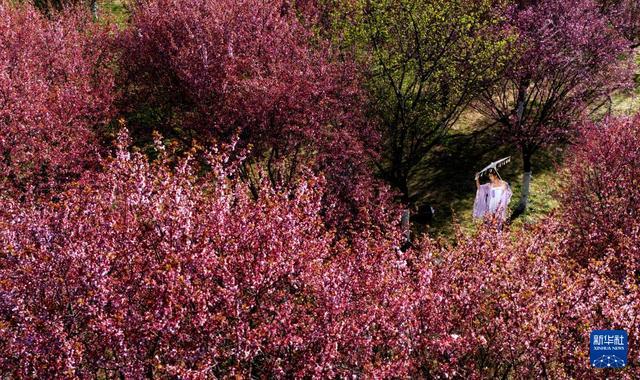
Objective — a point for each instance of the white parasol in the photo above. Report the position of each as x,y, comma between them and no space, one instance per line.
494,165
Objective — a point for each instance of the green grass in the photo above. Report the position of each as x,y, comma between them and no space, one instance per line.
115,11
628,103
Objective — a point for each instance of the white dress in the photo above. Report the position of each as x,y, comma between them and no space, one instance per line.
494,198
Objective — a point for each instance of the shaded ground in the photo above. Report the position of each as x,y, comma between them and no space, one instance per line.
445,178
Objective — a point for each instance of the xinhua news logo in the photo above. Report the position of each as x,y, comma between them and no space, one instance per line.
608,348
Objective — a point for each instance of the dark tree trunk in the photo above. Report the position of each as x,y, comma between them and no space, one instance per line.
399,180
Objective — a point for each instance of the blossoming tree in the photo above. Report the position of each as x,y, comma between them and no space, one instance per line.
55,87
570,58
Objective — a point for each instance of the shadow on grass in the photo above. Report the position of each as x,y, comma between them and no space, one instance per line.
445,178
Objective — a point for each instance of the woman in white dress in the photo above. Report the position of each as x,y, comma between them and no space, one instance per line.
493,197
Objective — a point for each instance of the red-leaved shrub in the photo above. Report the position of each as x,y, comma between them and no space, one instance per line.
144,270
55,86
602,200
251,71
246,68
510,304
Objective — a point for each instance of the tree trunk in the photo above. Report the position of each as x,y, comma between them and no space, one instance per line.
401,182
94,9
406,229
526,182
406,226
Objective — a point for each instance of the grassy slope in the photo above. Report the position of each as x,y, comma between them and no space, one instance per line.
445,179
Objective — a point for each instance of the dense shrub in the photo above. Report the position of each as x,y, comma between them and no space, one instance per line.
55,86
145,270
245,68
250,72
503,304
602,200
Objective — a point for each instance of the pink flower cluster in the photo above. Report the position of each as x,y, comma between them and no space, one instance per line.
143,270
250,69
